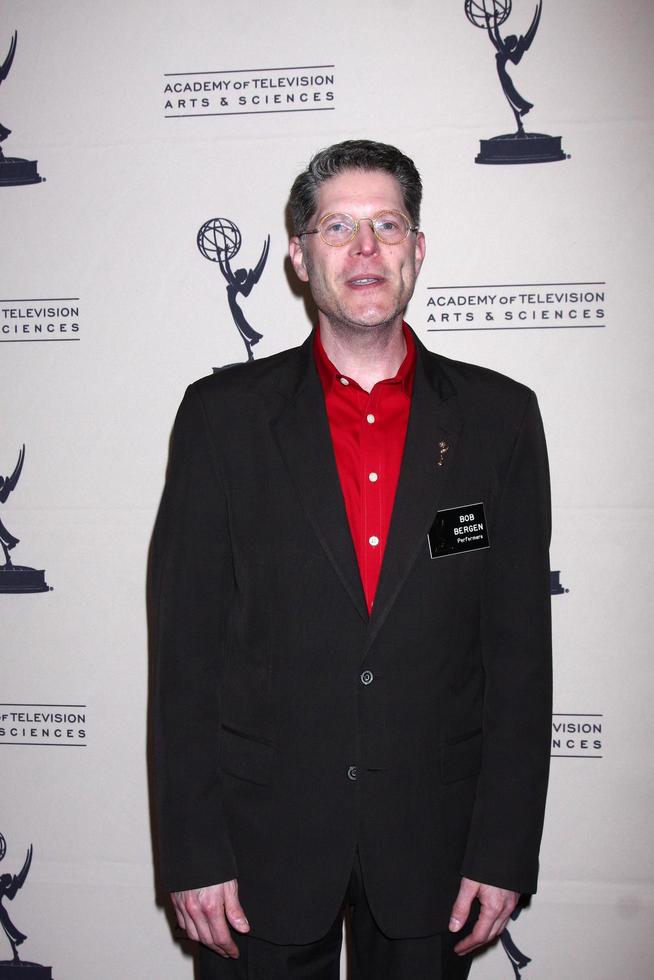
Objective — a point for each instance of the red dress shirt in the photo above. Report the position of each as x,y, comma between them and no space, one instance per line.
368,431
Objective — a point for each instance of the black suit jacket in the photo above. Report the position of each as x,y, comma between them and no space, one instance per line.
262,636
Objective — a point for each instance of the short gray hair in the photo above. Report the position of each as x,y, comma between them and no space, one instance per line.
353,155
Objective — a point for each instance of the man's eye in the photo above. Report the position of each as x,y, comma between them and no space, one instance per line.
336,227
388,225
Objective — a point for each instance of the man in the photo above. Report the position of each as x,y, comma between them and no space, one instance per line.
350,599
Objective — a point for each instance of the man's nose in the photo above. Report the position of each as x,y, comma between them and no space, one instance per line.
364,242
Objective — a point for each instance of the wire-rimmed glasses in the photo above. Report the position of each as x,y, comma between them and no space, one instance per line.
338,229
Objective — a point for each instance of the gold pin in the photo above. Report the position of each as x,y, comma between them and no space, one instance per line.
443,449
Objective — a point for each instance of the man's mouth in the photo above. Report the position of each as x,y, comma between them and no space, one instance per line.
362,281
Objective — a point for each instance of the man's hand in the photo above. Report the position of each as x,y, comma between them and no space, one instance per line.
205,913
497,904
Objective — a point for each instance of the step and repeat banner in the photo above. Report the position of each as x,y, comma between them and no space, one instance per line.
148,147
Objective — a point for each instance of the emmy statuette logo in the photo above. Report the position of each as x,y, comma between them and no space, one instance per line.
521,146
10,885
219,240
14,170
16,578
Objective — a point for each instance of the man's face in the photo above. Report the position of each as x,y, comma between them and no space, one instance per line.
366,283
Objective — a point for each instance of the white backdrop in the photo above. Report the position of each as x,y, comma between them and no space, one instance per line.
107,242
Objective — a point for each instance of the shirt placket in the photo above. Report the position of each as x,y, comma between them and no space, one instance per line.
371,482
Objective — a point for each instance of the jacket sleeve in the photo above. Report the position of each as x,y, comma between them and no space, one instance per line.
190,585
506,827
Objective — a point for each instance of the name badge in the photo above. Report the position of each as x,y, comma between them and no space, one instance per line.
458,530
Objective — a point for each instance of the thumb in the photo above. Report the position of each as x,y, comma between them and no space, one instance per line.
233,909
461,908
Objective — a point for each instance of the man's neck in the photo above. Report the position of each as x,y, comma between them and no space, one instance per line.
366,356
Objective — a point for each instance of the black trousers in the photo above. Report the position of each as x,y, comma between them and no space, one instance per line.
373,955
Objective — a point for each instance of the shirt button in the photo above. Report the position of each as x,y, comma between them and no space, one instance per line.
367,677
370,418
352,773
373,477
344,381
373,540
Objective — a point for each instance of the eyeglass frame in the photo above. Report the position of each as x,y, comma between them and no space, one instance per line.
357,227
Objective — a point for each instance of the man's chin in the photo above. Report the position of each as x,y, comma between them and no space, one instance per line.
363,322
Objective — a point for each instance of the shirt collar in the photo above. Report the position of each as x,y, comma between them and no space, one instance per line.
329,375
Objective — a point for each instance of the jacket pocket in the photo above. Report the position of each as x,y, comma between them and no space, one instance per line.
246,757
461,758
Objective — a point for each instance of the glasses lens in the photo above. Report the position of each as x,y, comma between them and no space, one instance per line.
392,227
337,229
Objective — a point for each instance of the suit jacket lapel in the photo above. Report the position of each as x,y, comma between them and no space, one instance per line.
433,420
302,433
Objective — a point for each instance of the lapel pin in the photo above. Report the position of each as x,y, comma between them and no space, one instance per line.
443,449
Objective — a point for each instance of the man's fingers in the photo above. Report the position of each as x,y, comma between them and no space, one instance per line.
233,908
201,912
180,918
214,931
500,923
479,935
184,917
189,926
497,904
461,908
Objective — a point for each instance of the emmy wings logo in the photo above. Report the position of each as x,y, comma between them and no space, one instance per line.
219,240
14,170
522,146
16,578
10,886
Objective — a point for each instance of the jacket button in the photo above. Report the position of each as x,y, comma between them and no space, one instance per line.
367,677
352,773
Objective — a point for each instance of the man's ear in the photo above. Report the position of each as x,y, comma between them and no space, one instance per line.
296,253
420,251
